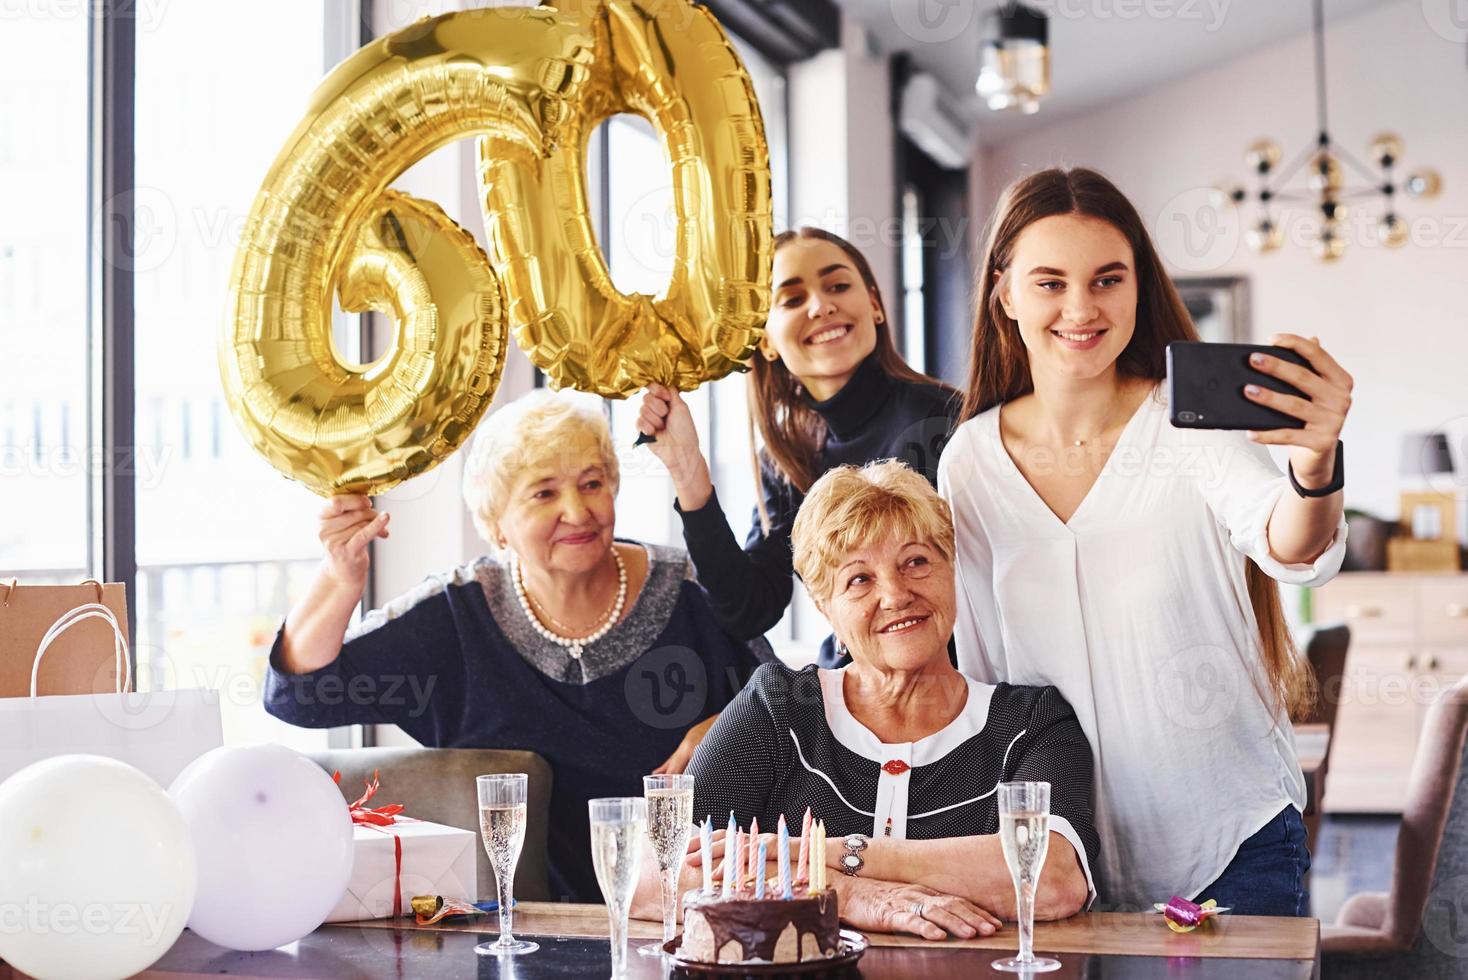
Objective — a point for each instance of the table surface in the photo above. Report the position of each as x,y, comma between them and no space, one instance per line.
573,944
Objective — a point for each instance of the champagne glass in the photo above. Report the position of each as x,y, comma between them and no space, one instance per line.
1024,832
669,822
502,826
618,825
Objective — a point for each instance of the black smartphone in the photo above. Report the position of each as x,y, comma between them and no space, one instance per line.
1205,386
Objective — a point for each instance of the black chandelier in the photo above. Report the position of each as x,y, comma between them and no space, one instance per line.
1326,186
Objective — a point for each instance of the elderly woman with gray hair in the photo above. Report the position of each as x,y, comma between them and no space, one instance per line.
897,752
601,654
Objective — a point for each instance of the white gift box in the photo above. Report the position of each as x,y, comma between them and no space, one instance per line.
437,860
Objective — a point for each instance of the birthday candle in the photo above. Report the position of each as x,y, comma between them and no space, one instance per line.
706,848
753,836
759,879
784,859
740,845
802,869
818,858
729,857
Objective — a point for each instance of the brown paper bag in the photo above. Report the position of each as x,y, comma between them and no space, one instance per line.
80,660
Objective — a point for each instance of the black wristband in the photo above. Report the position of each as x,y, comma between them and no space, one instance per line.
1337,481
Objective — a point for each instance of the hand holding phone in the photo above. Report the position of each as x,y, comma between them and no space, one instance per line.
1288,393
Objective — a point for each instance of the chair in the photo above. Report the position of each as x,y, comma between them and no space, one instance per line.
1326,651
1415,930
438,785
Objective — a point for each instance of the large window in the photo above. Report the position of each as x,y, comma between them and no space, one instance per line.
44,443
224,543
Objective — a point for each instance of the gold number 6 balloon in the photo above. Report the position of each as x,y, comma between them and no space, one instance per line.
532,83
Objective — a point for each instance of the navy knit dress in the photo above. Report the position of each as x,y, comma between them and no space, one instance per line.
457,664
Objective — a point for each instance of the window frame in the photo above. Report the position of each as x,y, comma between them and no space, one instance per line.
111,323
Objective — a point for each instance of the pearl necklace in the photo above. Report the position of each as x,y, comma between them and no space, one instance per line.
574,646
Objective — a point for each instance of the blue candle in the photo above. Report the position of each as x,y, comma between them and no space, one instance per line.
784,859
706,851
759,877
731,856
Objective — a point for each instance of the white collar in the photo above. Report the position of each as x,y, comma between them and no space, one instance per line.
929,749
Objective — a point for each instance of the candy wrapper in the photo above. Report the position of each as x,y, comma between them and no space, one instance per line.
1185,916
431,909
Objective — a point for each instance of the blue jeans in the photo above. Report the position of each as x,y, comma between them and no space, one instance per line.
1267,875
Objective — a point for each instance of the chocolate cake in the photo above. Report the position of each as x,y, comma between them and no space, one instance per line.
768,930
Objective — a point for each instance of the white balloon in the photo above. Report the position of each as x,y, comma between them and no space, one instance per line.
97,870
274,842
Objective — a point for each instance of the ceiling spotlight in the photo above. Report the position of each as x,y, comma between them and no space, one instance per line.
1014,71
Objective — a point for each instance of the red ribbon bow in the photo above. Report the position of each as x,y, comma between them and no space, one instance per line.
380,818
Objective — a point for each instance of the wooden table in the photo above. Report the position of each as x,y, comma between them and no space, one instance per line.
573,944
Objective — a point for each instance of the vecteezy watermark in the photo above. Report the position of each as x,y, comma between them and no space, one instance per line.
1448,19
147,13
937,21
1445,919
667,687
1199,688
1196,233
35,917
143,224
147,463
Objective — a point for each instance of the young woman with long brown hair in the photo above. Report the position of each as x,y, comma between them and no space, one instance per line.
828,388
1133,564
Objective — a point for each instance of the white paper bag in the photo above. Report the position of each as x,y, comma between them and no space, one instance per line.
157,732
437,860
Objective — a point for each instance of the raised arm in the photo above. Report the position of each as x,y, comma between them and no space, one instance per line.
749,587
388,671
314,628
1302,528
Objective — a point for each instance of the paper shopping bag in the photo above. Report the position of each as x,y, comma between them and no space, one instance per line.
81,661
158,732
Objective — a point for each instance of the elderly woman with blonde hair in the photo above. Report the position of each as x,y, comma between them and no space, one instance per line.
599,653
898,753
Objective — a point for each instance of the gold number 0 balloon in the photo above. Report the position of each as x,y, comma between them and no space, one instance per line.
533,83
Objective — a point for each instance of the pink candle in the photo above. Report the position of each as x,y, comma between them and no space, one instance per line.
739,860
754,848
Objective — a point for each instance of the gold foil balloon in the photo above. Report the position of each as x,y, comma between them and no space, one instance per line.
1262,156
533,83
670,62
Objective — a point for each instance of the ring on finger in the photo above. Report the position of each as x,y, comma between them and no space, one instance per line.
917,909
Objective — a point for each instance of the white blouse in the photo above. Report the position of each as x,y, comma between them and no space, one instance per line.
1138,611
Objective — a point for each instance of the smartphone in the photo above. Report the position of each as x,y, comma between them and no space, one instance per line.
1205,386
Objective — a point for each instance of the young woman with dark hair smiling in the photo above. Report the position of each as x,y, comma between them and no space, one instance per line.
828,389
1132,564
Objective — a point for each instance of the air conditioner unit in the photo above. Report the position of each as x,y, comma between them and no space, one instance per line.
923,120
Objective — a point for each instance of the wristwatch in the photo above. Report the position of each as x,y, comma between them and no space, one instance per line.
851,862
1337,480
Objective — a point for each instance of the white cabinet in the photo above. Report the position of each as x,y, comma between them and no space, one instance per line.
1409,642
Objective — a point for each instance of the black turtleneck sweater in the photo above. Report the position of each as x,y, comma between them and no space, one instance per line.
873,417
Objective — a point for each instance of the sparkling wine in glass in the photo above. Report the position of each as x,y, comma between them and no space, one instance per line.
669,822
1024,833
618,825
502,826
